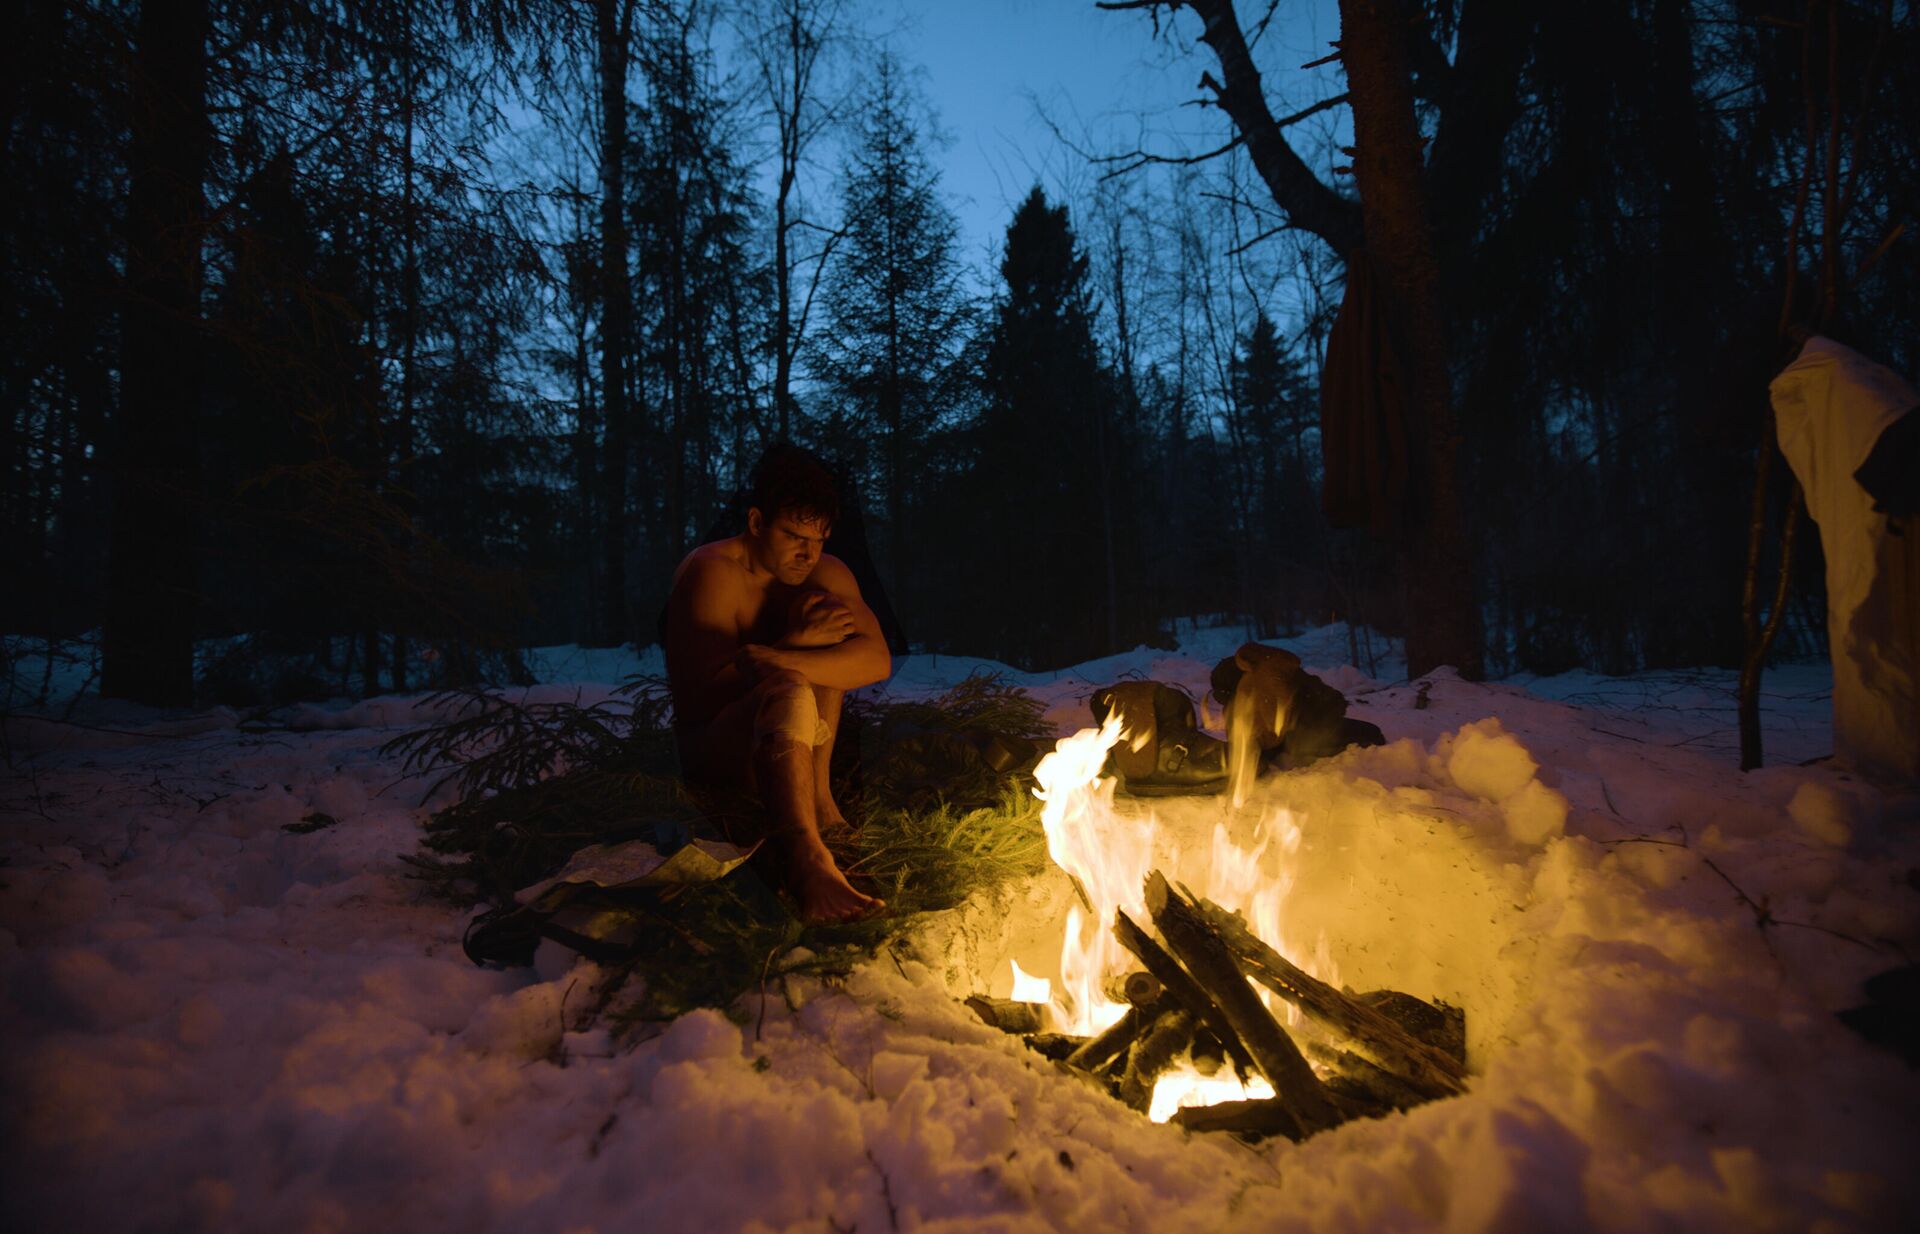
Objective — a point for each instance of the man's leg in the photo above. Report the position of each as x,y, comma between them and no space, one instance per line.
785,757
827,702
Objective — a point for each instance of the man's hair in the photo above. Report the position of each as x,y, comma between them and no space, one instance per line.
790,480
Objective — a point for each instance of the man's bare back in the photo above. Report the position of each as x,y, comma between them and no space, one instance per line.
765,634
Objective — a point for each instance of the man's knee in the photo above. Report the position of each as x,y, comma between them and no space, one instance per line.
787,711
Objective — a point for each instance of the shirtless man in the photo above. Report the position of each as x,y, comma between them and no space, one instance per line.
765,634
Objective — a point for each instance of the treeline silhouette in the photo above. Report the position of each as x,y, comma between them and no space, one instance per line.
383,338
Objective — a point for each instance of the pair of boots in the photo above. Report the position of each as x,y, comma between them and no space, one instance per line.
1293,716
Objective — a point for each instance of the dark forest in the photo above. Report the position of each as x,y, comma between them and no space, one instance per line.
960,616
373,341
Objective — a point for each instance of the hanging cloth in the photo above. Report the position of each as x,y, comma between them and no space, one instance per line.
1832,406
1363,407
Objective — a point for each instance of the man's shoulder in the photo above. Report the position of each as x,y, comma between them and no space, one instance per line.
719,561
834,575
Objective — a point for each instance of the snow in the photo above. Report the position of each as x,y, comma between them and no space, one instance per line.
212,1023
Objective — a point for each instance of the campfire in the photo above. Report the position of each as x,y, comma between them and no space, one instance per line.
1182,1003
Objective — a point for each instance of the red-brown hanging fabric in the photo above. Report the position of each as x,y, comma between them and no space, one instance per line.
1363,408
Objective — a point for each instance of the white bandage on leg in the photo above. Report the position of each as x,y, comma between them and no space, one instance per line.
790,712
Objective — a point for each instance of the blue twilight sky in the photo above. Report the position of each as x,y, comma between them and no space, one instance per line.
996,71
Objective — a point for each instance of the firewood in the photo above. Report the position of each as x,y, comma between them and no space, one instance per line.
1109,1043
1359,1076
1354,1099
1055,1046
1181,988
1007,1015
1429,1070
1134,989
1206,1053
1152,1053
1440,1025
1200,947
1247,1119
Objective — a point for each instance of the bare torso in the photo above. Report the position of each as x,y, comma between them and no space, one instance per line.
722,603
755,611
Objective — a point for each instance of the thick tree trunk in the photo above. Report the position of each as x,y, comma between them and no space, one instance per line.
147,639
1442,624
613,24
409,333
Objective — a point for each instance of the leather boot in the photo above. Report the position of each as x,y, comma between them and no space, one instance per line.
1161,751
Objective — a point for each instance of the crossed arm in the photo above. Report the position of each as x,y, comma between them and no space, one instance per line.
833,639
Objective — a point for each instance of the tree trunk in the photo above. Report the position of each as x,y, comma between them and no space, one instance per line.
1441,622
409,333
787,109
147,638
613,25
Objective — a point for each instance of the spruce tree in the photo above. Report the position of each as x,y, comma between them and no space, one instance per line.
894,309
1050,526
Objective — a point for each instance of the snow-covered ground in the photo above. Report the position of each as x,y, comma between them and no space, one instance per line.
213,1023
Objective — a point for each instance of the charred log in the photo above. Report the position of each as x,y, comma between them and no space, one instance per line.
1057,1047
1135,989
1007,1015
1250,1120
1431,1071
1206,955
1152,1053
1440,1025
1111,1043
1182,989
1358,1080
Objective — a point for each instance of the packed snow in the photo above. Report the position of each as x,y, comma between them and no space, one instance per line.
214,1023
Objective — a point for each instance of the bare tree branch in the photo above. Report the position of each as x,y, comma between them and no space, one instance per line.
1308,203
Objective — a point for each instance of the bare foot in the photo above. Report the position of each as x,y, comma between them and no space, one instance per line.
824,893
833,824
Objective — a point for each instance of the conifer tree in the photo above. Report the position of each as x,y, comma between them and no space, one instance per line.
895,308
1050,527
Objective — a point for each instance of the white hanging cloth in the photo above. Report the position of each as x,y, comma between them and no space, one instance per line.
1831,405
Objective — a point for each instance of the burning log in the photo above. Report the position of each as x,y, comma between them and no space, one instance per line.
1206,1053
1152,1053
1056,1047
1430,1071
1439,1025
1360,1078
1007,1015
1206,955
1135,989
1182,989
1247,1119
1110,1044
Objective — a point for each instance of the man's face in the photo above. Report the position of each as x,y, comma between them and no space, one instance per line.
789,545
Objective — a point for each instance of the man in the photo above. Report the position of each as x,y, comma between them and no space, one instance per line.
765,633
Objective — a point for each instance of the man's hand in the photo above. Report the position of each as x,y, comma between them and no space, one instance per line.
757,661
819,619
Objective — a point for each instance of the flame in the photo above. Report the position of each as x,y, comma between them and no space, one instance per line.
1028,988
1109,855
1107,861
1183,1086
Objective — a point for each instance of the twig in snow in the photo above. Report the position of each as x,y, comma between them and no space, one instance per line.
1762,909
764,970
886,1192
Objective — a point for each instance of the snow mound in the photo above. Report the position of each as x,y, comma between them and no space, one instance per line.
1486,761
217,1024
